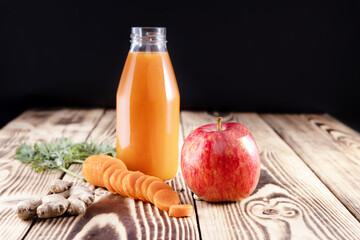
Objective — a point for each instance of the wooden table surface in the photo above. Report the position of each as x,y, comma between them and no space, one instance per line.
309,186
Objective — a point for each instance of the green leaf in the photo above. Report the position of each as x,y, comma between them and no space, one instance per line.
61,154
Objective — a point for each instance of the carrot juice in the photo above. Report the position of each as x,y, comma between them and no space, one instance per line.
147,107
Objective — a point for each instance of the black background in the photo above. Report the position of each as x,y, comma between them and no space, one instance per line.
264,56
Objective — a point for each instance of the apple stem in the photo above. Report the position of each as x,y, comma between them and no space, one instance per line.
219,123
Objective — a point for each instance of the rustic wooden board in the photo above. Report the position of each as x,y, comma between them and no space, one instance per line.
18,181
289,202
329,148
115,217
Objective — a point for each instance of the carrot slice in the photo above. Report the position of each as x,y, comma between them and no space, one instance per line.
154,187
138,184
113,179
181,210
94,168
111,161
129,183
164,198
119,181
145,185
100,173
107,174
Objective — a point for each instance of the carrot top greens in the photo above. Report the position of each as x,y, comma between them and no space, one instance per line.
60,154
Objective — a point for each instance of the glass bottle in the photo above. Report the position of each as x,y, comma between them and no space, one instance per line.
148,106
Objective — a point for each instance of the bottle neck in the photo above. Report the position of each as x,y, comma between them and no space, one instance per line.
145,47
148,39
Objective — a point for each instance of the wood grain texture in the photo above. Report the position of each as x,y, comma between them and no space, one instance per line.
112,216
290,202
329,148
17,180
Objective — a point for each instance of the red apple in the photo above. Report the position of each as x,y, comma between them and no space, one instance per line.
221,162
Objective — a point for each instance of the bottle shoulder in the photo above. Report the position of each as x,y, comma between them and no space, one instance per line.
148,74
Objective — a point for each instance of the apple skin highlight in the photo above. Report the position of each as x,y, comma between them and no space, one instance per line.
221,165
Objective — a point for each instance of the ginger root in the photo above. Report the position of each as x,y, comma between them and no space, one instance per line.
52,205
70,197
27,208
59,185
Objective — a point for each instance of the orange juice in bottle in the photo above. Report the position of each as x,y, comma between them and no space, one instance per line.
148,106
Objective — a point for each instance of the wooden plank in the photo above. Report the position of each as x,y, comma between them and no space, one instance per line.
329,148
112,216
17,180
290,202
